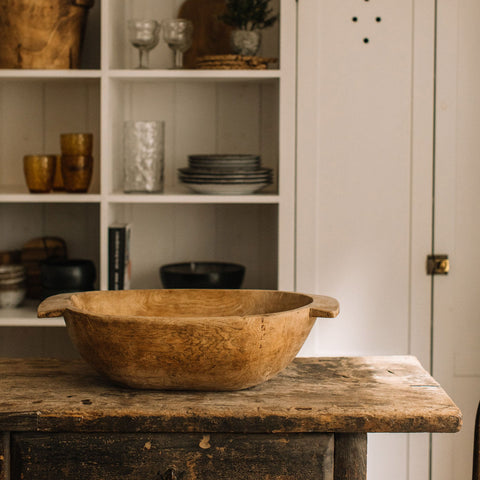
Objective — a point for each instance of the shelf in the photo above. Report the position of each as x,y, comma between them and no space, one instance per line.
14,196
127,74
208,75
182,195
26,316
48,74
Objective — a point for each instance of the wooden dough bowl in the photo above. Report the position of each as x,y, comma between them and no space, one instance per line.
189,339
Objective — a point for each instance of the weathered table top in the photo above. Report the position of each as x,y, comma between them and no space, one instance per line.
345,394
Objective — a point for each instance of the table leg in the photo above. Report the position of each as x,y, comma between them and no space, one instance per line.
4,456
350,456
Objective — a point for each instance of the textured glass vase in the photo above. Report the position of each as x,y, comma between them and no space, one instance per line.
245,42
143,147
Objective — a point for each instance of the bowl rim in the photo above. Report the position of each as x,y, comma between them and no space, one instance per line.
134,318
318,306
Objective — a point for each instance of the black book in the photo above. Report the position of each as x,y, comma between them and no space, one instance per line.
119,265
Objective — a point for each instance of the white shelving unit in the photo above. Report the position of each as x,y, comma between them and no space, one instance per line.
205,111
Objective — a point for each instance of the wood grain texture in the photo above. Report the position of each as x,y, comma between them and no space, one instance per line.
350,456
55,306
42,33
188,456
189,339
210,35
344,394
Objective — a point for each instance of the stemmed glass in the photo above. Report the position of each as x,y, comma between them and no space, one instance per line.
178,33
143,34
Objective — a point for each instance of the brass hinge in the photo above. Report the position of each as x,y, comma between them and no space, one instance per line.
438,265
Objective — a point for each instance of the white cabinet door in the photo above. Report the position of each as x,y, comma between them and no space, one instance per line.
456,329
364,188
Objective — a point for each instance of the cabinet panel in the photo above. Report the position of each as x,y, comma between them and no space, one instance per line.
365,145
456,326
186,456
35,342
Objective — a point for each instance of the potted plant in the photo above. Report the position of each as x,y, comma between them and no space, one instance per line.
248,18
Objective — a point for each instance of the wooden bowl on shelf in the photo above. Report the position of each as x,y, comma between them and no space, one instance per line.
189,339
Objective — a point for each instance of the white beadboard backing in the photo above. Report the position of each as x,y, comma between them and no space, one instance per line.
161,234
78,224
34,113
200,117
123,55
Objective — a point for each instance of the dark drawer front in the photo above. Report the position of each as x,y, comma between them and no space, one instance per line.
64,456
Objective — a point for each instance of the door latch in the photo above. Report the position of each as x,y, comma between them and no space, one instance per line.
438,265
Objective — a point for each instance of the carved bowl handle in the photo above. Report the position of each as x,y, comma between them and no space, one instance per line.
54,306
322,306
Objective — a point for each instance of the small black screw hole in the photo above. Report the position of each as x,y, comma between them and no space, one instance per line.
378,19
366,40
354,19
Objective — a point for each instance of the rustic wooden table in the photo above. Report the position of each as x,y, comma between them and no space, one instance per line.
60,420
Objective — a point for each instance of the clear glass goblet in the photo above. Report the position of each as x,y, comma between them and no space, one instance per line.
143,34
178,34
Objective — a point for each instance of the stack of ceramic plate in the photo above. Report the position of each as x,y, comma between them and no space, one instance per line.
225,174
12,285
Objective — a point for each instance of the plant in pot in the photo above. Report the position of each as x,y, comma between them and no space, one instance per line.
248,18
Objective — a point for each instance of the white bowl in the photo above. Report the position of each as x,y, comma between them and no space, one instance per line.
12,298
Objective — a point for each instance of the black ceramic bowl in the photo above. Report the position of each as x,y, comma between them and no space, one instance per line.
67,274
50,292
202,275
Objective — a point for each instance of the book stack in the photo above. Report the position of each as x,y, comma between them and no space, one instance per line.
119,263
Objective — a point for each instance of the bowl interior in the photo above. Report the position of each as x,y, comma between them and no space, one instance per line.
188,303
